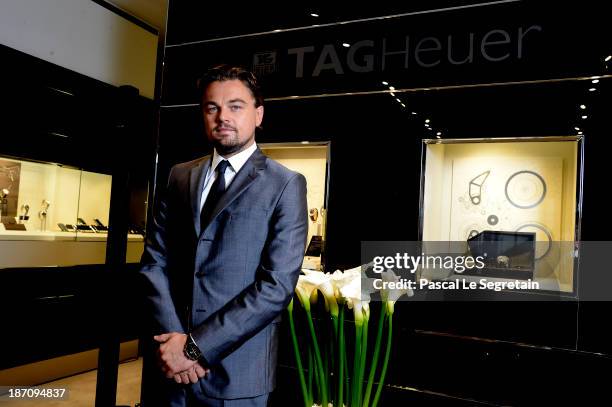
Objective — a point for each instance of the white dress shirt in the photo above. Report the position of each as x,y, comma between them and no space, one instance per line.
235,163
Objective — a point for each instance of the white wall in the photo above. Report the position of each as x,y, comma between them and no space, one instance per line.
82,36
311,162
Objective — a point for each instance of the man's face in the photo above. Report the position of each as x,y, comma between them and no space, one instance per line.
230,116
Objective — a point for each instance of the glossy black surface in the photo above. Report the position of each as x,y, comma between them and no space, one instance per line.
197,21
514,41
53,114
51,312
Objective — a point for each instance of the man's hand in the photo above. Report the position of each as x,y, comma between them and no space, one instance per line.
192,375
173,361
170,353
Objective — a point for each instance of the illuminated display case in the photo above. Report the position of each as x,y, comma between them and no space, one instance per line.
507,189
311,159
55,215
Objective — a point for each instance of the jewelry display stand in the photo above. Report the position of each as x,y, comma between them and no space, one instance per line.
68,228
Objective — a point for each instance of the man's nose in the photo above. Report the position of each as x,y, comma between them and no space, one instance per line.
222,115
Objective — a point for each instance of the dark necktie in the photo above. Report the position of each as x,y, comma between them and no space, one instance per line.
216,191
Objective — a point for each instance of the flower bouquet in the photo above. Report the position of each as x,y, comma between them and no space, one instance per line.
335,375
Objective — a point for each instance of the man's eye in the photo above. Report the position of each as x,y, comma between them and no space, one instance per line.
235,108
211,109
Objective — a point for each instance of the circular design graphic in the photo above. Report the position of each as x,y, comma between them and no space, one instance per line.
525,189
544,238
468,230
493,220
475,200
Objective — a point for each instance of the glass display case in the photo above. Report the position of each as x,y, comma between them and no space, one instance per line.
55,215
311,159
517,200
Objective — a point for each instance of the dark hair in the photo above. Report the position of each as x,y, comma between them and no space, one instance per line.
226,73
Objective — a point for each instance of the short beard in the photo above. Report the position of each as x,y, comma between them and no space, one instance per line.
225,150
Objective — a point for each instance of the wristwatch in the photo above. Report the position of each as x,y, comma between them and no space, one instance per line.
191,350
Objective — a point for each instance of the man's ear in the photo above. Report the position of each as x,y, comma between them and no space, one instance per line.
259,111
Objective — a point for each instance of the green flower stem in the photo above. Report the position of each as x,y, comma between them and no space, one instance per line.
357,363
341,358
310,376
318,360
362,362
333,345
316,394
298,358
383,371
375,357
325,357
347,375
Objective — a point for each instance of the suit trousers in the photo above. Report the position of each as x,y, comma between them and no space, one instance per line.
259,401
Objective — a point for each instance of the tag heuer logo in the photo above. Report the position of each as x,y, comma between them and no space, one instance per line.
264,63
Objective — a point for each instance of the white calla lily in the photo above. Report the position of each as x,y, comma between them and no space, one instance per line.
304,289
390,296
317,280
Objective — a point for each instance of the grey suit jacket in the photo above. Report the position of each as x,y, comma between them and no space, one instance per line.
229,283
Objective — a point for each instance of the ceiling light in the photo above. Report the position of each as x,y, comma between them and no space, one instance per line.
609,57
385,83
426,120
314,15
398,100
585,116
583,107
595,81
438,133
391,88
592,90
346,44
392,94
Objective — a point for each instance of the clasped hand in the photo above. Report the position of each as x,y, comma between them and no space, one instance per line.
173,361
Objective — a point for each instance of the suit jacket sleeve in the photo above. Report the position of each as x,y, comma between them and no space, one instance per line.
155,273
257,305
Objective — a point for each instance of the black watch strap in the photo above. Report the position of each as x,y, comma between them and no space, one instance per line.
191,350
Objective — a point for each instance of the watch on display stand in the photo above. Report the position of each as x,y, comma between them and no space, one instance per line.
42,215
25,210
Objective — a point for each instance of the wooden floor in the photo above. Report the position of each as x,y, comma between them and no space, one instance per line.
82,389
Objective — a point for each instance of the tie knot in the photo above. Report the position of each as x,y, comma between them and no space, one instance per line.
222,166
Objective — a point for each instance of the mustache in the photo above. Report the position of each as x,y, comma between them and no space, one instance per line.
218,128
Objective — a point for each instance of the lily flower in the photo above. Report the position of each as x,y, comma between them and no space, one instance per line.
317,280
390,296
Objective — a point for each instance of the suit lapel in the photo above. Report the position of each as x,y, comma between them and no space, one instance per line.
241,182
196,184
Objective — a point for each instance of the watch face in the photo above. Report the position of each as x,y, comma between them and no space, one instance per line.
191,350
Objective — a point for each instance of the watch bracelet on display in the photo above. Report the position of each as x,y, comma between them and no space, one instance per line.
191,350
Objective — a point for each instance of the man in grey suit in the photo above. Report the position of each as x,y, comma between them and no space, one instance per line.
222,259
